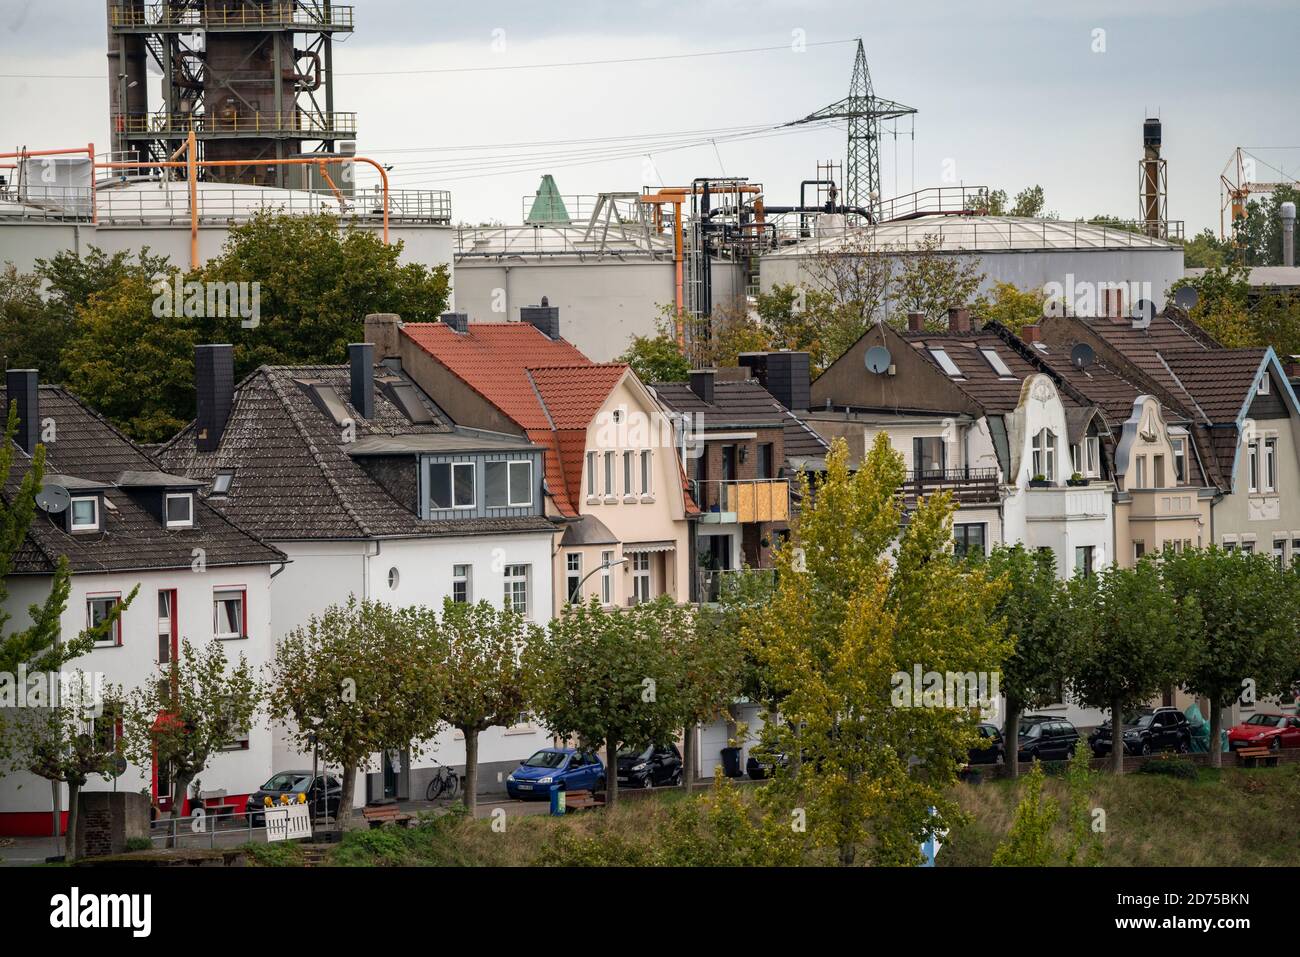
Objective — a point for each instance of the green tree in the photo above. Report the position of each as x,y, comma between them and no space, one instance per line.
1082,847
1034,609
31,332
199,705
74,278
1240,634
1127,644
354,680
1029,843
932,281
612,677
1028,203
1011,306
858,605
1205,250
657,358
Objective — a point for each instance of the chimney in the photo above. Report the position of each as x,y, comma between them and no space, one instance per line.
459,321
382,331
1032,333
702,384
545,317
959,320
23,387
916,322
786,375
214,375
1288,234
361,356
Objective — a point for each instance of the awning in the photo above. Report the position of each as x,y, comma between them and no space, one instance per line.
635,548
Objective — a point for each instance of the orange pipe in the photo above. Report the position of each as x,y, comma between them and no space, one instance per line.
679,291
337,195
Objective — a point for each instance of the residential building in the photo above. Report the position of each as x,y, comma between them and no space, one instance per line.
367,487
126,524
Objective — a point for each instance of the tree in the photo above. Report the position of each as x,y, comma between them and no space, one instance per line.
199,705
612,677
931,281
848,289
74,278
357,679
1029,203
31,333
481,649
729,330
1206,250
1029,843
1033,607
1240,634
1127,643
862,600
1011,306
657,358
1257,237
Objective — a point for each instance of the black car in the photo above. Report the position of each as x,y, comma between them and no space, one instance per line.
649,767
761,765
1145,732
993,749
1051,739
324,794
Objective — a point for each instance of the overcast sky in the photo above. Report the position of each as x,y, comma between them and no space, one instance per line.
1009,92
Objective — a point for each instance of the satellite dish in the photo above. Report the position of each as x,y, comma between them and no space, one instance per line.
878,359
1144,310
53,498
1186,298
1082,356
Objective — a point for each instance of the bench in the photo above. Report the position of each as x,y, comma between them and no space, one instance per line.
582,801
377,815
215,803
1254,757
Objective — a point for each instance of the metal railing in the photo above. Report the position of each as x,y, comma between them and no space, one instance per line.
225,829
967,485
749,500
235,123
714,582
286,13
506,241
932,199
972,233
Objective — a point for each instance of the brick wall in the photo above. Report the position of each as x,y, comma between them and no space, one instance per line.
107,820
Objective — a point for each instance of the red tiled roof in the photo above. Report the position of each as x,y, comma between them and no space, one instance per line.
573,394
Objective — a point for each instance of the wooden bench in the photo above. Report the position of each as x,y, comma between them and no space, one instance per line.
1254,757
380,814
582,801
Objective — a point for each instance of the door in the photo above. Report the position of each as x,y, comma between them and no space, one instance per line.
1291,733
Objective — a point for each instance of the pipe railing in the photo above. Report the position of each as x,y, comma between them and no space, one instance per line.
252,123
974,233
286,13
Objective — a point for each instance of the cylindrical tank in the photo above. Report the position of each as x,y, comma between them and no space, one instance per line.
1288,234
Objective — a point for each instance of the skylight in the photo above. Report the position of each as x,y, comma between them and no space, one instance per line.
945,363
996,362
221,482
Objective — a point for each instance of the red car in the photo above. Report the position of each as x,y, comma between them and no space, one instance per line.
1261,730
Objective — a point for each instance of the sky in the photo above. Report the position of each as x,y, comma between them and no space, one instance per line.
1009,93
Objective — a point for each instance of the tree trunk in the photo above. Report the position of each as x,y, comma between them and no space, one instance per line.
1216,730
58,811
1117,735
180,789
1011,738
349,785
611,772
470,796
70,842
688,758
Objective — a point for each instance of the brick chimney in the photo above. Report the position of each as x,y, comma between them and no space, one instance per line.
916,322
382,332
1032,333
959,320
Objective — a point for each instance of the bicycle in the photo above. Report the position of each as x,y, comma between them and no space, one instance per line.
444,783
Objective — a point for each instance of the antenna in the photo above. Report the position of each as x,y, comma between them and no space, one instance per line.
1186,298
878,359
1082,356
53,499
1144,310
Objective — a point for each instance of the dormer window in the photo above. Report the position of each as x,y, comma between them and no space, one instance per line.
180,509
83,514
451,485
509,484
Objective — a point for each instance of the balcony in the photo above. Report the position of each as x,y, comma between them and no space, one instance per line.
1152,504
968,486
725,501
287,13
1059,502
714,583
304,123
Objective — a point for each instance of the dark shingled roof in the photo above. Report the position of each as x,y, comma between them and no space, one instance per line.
295,478
89,448
996,394
1219,380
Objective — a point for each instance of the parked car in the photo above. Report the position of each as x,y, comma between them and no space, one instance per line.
324,793
761,765
1264,730
1145,732
994,752
568,769
1049,740
651,766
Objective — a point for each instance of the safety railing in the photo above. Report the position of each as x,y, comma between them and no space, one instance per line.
236,123
933,199
967,486
210,829
286,14
742,500
975,233
506,241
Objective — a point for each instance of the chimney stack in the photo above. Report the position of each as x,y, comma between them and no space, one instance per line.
959,320
361,357
916,322
382,331
459,321
702,384
23,387
1032,333
1288,234
545,317
214,375
785,374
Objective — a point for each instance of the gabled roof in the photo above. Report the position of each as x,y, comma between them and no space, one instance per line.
296,478
1220,380
995,392
89,454
573,394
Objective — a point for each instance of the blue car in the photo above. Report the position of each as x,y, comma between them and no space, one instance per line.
566,768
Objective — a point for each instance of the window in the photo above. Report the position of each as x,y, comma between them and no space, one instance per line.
180,510
166,625
647,473
98,609
1270,465
1083,560
609,473
509,484
1140,479
1180,460
229,614
1248,548
106,728
461,590
767,461
629,472
968,540
1044,455
451,485
394,578
221,482
929,454
85,514
1252,466
995,361
1279,552
606,578
946,363
573,571
591,473
1295,551
238,740
516,588
641,577
1265,383
1139,549
1158,471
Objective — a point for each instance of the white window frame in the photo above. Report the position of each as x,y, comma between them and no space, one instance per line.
1270,465
607,578
573,578
945,363
510,501
996,364
1140,472
451,475
463,574
220,487
609,474
167,511
1043,459
629,473
93,525
1252,466
591,474
641,580
1179,447
1264,385
517,575
225,594
647,472
114,639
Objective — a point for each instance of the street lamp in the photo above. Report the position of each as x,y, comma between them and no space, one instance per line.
603,566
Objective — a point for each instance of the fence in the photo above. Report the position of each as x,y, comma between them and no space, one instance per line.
285,14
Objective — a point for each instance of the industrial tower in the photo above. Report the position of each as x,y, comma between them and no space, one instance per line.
864,111
253,79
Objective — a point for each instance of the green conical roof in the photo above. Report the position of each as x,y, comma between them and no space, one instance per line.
548,207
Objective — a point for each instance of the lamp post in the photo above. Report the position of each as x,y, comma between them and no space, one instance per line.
603,566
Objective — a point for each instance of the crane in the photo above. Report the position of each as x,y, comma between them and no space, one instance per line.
1234,193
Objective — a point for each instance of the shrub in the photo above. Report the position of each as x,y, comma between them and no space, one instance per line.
1171,766
139,844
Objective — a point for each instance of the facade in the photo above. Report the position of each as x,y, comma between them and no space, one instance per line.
130,525
369,490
